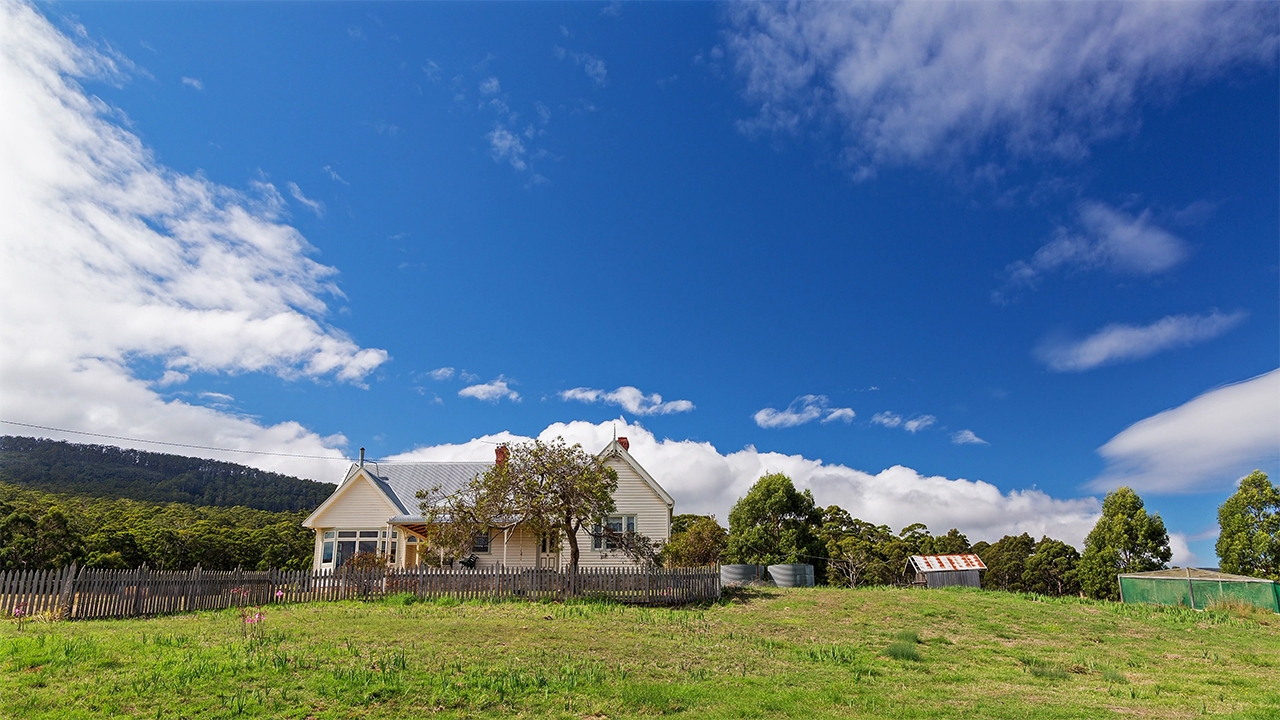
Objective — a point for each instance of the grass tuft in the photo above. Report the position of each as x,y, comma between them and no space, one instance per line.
911,637
903,651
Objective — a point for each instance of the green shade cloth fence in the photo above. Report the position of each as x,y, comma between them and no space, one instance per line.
1198,589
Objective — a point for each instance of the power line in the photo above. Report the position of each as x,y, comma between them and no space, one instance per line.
174,444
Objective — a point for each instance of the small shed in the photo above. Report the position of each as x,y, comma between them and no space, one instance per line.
945,570
1198,588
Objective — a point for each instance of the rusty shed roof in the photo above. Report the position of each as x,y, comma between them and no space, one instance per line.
938,563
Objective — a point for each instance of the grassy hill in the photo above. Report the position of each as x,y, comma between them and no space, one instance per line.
815,653
104,471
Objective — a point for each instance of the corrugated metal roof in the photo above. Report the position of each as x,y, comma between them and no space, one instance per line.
402,481
938,563
1177,573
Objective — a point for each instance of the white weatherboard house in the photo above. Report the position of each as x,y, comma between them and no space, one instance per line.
376,509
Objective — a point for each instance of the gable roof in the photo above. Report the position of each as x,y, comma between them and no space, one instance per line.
400,483
939,563
615,449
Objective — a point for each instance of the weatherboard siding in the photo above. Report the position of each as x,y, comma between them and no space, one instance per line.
358,505
634,496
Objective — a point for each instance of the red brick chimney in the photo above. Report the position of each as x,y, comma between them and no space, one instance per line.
501,454
626,444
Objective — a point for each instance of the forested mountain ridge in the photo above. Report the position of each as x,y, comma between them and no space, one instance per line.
105,471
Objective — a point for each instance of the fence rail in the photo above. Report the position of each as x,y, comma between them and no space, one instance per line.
85,593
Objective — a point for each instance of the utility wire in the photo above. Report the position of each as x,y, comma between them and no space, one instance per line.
175,444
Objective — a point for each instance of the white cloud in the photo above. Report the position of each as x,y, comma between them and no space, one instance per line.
887,419
314,206
918,423
630,399
1121,343
490,86
913,425
704,480
916,83
492,391
220,397
1103,238
171,377
844,415
333,174
193,82
1203,444
967,437
1182,555
443,373
592,65
467,377
803,409
110,261
506,145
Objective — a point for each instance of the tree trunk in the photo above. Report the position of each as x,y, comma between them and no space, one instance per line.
572,532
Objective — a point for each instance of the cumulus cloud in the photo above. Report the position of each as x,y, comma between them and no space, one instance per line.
1103,238
1123,343
967,437
505,145
887,419
193,82
492,391
1204,444
314,206
1182,555
803,409
916,83
111,263
630,399
443,373
704,480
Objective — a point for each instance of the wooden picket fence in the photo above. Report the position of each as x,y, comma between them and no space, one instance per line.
85,593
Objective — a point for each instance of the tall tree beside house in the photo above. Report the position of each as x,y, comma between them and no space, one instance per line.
1126,539
1249,522
545,488
775,523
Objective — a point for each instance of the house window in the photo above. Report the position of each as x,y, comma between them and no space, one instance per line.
615,523
350,542
480,544
368,541
327,557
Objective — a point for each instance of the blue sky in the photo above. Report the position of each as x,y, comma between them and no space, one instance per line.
978,241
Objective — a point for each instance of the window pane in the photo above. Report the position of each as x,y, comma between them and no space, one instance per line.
596,541
328,535
368,533
395,534
411,539
393,550
368,546
346,533
481,543
346,548
328,552
631,523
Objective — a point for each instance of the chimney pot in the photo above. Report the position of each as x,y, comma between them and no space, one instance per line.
626,444
361,457
501,453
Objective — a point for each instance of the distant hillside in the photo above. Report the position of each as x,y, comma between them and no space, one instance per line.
110,472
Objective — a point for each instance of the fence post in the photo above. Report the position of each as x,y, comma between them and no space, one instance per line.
68,591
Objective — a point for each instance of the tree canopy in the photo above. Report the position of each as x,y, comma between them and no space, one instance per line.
774,523
1249,522
1126,539
699,541
110,472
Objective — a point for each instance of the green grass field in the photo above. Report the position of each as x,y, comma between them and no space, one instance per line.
759,654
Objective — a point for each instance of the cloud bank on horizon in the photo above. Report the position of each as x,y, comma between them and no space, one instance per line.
704,480
122,277
924,83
